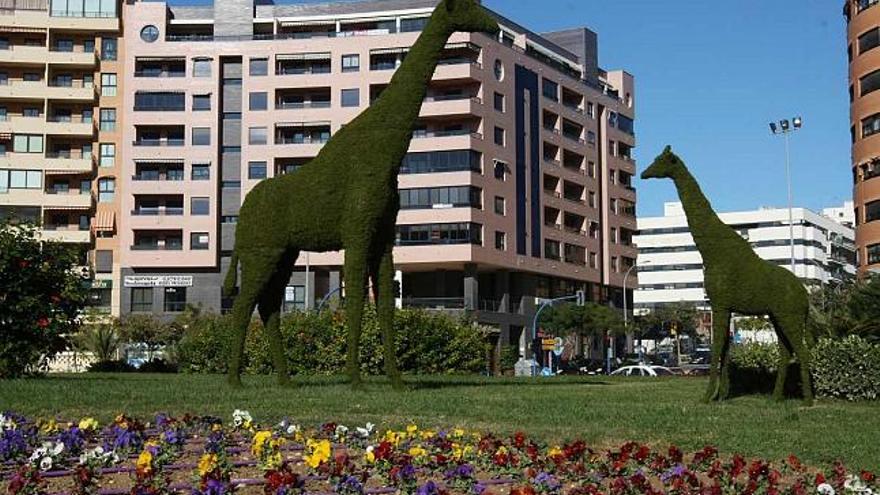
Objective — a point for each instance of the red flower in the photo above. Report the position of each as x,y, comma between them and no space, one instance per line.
522,490
868,477
820,479
43,322
55,298
23,264
519,439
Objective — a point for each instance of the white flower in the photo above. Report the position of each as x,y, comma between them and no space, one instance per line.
366,432
341,431
825,489
46,463
293,429
38,453
58,449
241,418
83,458
855,485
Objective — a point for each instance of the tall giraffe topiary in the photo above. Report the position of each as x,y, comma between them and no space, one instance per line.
345,198
738,281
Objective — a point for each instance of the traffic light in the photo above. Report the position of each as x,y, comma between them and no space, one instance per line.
581,298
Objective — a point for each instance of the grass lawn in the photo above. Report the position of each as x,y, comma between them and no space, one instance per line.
604,411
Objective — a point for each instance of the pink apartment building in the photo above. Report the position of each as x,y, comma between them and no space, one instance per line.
518,184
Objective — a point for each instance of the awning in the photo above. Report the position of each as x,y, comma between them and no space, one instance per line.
61,171
304,56
328,22
154,161
104,221
22,29
302,124
160,59
389,51
67,207
464,44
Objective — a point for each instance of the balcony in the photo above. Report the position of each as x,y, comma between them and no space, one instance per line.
24,54
65,234
71,57
83,20
68,126
153,143
435,303
446,105
166,211
22,124
159,247
301,105
67,201
72,161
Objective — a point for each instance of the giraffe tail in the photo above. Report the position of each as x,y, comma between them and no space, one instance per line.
231,276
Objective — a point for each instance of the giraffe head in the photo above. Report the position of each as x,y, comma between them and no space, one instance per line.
468,16
665,166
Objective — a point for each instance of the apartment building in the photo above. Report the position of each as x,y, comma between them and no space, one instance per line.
59,101
863,39
671,269
517,186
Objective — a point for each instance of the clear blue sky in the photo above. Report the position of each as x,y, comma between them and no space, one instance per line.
709,78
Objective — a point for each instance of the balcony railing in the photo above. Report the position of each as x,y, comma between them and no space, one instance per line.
158,178
439,134
91,14
454,97
68,155
157,247
299,105
158,142
158,212
159,73
68,119
8,7
439,303
303,140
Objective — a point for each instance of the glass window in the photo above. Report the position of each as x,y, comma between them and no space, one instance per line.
500,205
198,241
499,136
413,25
201,136
202,67
872,211
550,89
108,119
106,190
874,254
871,125
25,179
257,170
108,154
499,70
351,97
869,40
4,181
499,102
258,101
108,48
175,299
201,102
500,241
27,143
351,63
259,66
150,33
201,172
63,45
141,299
108,84
200,206
870,83
257,135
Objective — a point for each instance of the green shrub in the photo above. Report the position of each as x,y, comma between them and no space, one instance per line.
315,344
111,367
847,369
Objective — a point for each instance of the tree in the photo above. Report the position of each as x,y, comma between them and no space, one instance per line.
658,324
848,308
149,331
100,336
41,295
591,319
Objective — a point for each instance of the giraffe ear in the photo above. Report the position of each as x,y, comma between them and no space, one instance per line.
450,5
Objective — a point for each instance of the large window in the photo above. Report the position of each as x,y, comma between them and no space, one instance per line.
258,101
201,171
141,299
257,170
257,135
870,83
351,63
413,25
351,97
201,136
27,143
83,8
20,179
869,40
872,211
108,84
871,125
550,89
108,49
200,206
441,161
201,103
440,233
175,299
874,254
108,154
441,197
159,101
108,119
198,241
202,67
259,66
106,190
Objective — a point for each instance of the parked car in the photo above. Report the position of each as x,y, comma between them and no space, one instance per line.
643,370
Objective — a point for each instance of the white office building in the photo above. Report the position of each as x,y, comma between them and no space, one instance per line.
671,269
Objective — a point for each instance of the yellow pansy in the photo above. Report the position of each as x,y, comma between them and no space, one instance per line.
319,453
49,426
411,430
418,451
87,424
457,433
207,463
369,456
121,422
259,443
428,434
554,451
145,461
392,437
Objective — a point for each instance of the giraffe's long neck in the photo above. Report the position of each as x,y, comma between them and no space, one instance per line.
705,226
401,102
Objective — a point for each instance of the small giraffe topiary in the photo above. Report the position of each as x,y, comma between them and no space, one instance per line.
345,198
738,281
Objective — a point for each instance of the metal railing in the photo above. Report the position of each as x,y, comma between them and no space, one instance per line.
158,142
158,212
457,132
300,105
439,303
68,154
160,73
157,247
90,14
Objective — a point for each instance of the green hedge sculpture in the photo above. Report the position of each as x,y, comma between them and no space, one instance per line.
346,198
738,281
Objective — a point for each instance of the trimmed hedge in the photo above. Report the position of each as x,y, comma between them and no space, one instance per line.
847,369
315,344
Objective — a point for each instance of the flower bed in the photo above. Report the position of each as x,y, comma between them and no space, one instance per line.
207,456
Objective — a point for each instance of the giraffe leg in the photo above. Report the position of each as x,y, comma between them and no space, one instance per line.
355,282
257,267
784,362
383,292
801,343
270,313
720,329
724,385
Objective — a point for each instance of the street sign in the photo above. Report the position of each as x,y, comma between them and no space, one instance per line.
548,344
558,346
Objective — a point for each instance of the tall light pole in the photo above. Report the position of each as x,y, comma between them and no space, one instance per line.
784,128
625,308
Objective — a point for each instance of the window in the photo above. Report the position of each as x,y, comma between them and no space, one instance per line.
103,261
106,190
441,197
872,211
257,170
201,172
229,220
869,40
870,83
27,143
499,71
871,125
499,136
175,299
413,25
591,110
594,260
257,135
108,119
24,179
108,84
552,250
4,181
108,154
500,241
89,46
200,207
874,254
150,33
108,49
202,67
201,136
63,45
85,186
500,206
259,66
198,241
550,89
592,200
500,170
441,161
258,101
141,299
201,103
159,101
351,97
591,169
351,63
499,102
294,298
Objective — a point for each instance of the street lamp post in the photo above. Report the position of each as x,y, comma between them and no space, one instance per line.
626,309
784,128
